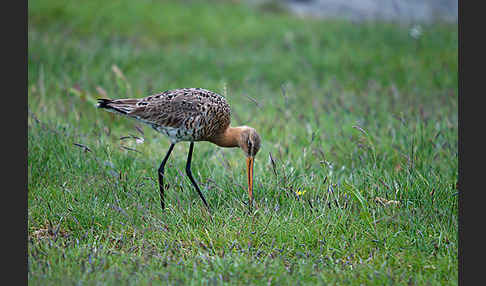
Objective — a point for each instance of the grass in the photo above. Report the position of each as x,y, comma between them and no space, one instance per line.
348,113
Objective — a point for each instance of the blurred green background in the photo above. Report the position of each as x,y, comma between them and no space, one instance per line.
348,112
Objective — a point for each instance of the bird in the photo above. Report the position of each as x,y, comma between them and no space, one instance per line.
189,115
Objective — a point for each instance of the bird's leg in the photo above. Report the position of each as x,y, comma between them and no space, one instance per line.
189,174
161,175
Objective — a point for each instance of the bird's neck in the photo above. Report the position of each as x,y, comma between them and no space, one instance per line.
230,137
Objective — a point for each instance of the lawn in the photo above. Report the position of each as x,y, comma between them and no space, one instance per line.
355,181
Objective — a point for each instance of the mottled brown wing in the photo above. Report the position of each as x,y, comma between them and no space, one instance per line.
169,111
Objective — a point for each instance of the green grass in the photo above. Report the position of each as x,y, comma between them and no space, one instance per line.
347,113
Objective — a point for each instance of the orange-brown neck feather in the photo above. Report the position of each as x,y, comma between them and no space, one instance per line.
230,138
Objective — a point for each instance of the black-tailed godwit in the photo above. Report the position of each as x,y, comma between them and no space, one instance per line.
190,114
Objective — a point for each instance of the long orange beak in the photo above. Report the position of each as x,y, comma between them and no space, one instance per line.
249,169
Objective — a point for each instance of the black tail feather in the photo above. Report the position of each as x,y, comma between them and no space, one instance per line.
105,103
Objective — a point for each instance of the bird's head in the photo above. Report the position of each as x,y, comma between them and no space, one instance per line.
249,142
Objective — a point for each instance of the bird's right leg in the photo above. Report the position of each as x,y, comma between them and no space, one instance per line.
189,174
161,175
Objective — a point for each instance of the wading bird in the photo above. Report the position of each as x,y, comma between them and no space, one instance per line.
190,114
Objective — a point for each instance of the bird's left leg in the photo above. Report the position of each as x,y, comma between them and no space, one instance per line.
189,174
161,175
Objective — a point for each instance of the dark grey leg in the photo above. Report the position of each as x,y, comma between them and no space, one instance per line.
189,174
161,175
